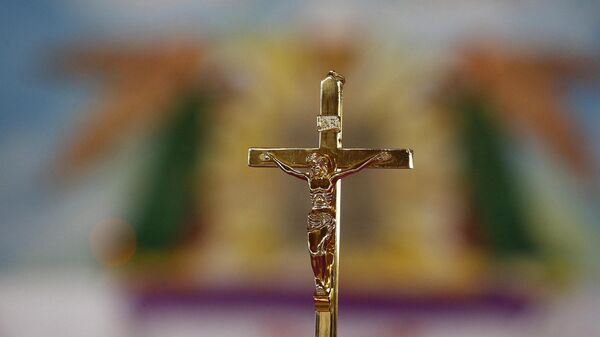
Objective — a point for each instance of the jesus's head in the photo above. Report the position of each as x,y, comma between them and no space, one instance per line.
320,165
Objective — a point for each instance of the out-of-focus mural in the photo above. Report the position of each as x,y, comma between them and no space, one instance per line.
128,207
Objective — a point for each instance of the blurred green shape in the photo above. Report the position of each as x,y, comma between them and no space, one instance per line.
164,216
494,193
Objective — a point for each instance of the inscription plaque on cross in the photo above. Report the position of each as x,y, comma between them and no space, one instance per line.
324,167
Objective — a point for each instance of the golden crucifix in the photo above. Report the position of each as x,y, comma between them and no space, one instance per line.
327,165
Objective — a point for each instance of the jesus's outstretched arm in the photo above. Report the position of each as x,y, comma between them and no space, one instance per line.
284,167
380,157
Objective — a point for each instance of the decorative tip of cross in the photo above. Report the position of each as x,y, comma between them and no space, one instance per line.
337,76
410,156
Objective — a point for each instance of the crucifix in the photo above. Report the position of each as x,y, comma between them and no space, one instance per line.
325,166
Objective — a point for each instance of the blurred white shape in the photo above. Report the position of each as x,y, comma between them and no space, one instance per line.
61,305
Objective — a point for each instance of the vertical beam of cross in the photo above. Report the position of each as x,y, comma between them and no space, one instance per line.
329,126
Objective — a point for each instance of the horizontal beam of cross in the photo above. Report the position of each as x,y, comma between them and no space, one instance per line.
296,157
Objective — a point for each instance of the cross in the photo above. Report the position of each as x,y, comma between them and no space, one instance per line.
326,166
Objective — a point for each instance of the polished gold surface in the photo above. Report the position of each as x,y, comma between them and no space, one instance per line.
325,167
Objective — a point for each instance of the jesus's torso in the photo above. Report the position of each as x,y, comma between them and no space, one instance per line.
322,193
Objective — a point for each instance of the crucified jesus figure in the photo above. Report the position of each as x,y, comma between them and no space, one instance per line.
322,176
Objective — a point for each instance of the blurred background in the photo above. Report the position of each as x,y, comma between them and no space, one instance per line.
127,207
